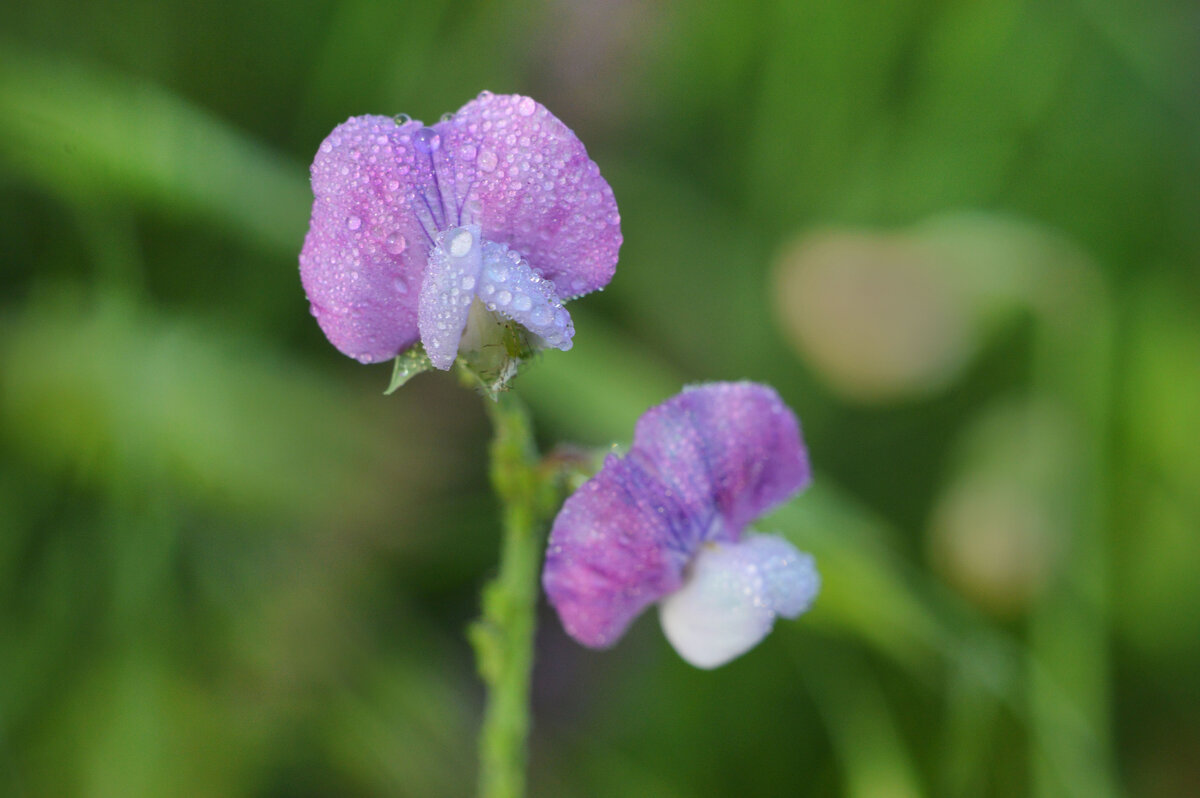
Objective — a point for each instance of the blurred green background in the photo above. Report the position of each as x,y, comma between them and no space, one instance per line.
961,238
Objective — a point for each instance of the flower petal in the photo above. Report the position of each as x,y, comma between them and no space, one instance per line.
614,550
732,595
447,292
509,287
526,179
365,253
730,447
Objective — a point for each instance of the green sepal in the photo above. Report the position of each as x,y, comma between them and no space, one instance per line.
408,364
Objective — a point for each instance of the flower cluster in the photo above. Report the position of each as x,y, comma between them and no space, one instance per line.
470,235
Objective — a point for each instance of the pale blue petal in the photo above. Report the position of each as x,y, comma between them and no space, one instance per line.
732,595
510,288
451,279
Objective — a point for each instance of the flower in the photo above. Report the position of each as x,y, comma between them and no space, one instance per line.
665,524
412,224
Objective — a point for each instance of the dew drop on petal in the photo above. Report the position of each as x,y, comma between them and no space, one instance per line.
446,117
487,160
522,303
395,243
461,243
353,222
468,282
503,298
526,106
402,119
427,139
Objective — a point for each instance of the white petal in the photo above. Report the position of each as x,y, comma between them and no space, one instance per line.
731,597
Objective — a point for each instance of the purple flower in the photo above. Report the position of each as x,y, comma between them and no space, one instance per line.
665,524
412,224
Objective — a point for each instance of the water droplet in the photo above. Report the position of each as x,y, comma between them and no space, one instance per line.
503,298
487,160
468,282
468,152
446,117
522,303
427,139
353,222
541,316
461,243
485,95
401,119
526,106
326,147
393,185
395,243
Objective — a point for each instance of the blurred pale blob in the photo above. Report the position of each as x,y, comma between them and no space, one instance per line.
991,543
872,313
883,316
598,54
995,533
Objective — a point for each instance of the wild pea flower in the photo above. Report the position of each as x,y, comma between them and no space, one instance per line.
431,233
665,524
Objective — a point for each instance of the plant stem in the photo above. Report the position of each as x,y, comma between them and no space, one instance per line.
503,635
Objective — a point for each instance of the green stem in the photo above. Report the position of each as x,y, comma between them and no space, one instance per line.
503,635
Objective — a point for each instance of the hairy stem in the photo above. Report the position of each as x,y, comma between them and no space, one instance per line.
503,635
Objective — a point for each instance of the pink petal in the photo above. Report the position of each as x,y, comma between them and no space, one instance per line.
528,182
364,256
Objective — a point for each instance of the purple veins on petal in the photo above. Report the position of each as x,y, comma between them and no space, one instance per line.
385,190
530,184
608,557
730,447
702,465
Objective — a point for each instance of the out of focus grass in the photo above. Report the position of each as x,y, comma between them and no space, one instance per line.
230,566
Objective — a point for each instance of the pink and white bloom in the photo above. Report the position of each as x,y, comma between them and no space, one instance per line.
667,524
